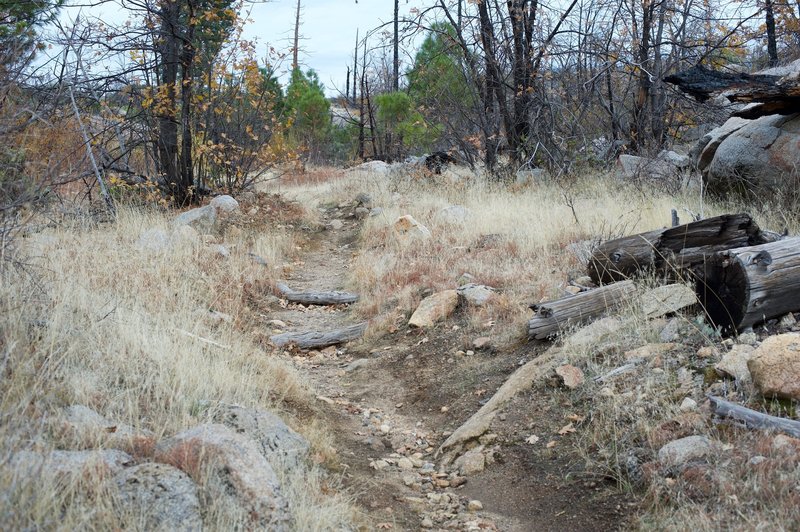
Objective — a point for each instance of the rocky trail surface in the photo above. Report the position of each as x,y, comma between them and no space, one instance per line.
392,400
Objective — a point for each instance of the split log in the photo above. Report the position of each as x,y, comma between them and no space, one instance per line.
752,419
676,251
749,285
316,339
554,316
317,298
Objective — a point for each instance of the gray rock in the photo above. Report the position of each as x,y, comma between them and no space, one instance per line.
276,441
734,363
153,240
159,497
454,214
668,299
231,466
471,462
475,294
202,219
680,452
671,331
375,211
70,464
336,224
225,205
361,212
364,200
84,426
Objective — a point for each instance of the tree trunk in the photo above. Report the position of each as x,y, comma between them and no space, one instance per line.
296,42
772,44
674,252
166,104
555,316
749,285
186,168
396,43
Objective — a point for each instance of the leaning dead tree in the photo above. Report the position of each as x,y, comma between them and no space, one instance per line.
775,94
673,252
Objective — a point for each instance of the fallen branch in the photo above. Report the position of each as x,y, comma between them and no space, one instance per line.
314,339
601,379
317,298
752,419
204,340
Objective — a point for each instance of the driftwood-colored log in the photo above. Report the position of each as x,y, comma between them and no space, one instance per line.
315,339
554,316
674,252
317,298
752,419
746,286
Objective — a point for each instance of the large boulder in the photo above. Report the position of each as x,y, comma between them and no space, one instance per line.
159,497
775,366
758,154
215,456
276,441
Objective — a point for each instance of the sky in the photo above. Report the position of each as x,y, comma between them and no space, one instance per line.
328,29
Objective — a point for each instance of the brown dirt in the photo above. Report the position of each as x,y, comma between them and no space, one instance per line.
415,382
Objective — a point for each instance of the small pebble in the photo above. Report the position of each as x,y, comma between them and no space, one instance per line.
475,506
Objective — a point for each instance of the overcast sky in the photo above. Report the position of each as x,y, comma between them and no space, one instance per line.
328,29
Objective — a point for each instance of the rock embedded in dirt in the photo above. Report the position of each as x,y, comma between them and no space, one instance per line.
361,212
476,294
688,405
216,457
434,308
734,363
275,440
407,226
471,462
159,497
474,506
678,453
650,351
788,321
775,366
667,299
336,224
572,377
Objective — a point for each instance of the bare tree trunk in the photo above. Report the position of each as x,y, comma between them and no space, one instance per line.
772,45
296,46
167,123
396,71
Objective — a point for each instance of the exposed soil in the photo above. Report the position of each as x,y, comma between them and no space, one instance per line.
410,390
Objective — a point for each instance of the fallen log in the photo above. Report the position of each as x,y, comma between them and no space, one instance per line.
752,419
314,339
676,251
554,316
745,286
316,298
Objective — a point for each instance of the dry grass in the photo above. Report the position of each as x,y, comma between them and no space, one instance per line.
127,331
515,239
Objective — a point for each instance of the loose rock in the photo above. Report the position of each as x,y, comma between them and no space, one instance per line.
571,376
734,363
407,226
476,294
775,366
678,453
434,308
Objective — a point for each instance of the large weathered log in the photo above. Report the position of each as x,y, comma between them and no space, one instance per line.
554,316
746,286
753,419
675,251
314,339
317,298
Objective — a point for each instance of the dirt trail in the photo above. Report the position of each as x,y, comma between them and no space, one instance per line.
391,402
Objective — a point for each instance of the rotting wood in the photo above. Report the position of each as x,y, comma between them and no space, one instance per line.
317,298
674,252
314,339
746,286
752,419
554,316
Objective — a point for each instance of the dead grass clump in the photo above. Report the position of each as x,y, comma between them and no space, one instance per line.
125,329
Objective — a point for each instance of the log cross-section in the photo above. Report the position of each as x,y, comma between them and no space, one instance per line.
553,317
749,285
318,339
316,298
